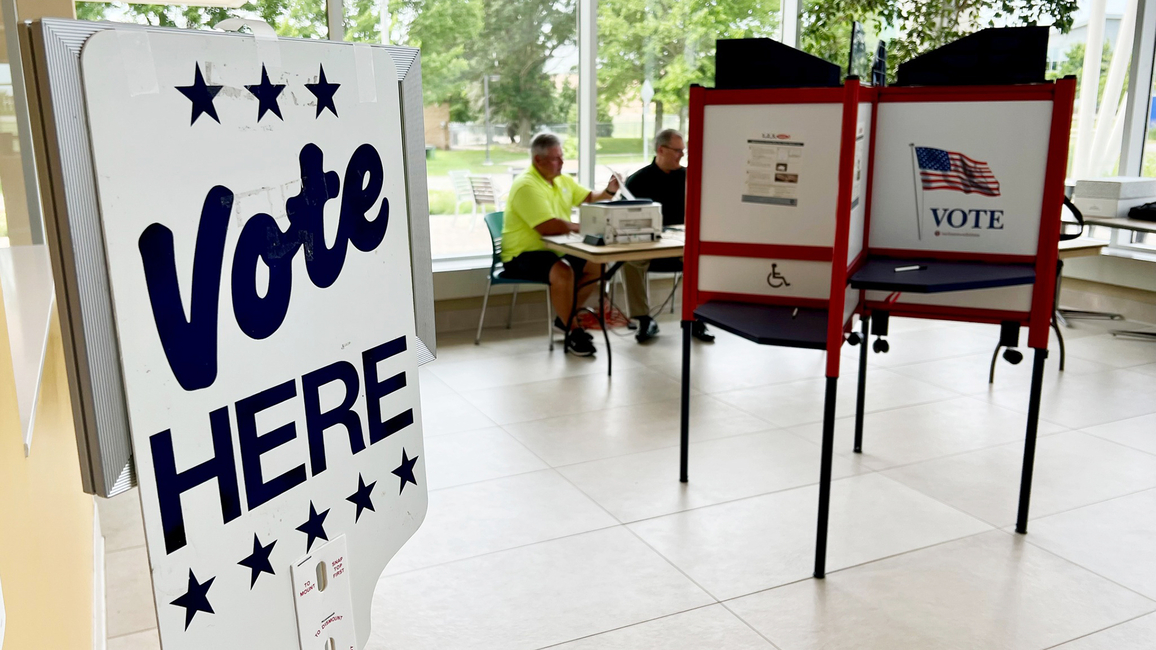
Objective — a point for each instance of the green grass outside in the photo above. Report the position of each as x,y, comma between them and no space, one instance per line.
617,150
442,202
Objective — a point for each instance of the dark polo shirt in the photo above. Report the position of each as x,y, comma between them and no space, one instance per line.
669,189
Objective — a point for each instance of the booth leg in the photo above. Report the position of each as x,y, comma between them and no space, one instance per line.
684,431
825,478
1030,439
861,397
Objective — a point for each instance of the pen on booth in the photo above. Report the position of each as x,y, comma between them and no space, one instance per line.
795,312
913,267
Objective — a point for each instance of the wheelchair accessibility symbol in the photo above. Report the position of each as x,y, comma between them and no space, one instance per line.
776,279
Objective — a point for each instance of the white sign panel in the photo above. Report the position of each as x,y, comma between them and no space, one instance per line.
770,173
765,277
253,207
960,176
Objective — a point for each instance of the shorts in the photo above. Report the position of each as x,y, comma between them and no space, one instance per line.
535,266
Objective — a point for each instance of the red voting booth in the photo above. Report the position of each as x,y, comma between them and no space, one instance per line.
806,206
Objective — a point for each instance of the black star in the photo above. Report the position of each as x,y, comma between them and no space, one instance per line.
324,90
195,599
405,470
314,528
259,560
267,95
201,94
361,497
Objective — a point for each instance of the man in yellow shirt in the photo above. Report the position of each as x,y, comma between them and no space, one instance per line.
539,205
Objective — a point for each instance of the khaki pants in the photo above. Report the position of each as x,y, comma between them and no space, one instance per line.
634,274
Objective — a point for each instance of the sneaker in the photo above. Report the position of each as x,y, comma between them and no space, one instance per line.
647,329
579,343
698,331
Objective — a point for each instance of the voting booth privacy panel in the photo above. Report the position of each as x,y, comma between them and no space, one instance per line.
777,197
251,208
789,191
808,205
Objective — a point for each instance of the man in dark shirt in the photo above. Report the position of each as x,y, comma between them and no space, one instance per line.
664,181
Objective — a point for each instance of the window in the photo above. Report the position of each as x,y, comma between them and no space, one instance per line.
299,18
519,58
649,54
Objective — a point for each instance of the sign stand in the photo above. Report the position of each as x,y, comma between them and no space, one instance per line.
241,287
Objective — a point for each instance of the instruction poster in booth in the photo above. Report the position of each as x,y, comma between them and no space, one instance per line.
253,205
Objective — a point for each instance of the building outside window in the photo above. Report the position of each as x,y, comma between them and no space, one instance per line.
649,54
519,58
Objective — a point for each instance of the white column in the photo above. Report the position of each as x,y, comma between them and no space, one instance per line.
789,23
587,89
1140,77
1089,88
1106,121
335,14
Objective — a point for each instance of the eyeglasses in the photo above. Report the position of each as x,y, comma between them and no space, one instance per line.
681,152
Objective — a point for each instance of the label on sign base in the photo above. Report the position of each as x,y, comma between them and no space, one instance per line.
321,592
254,219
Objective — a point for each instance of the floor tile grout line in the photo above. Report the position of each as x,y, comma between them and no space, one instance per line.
672,446
1104,629
1116,442
488,480
593,371
154,628
744,498
748,624
501,550
964,452
672,565
626,406
623,627
1027,540
831,572
1003,526
643,402
941,502
645,543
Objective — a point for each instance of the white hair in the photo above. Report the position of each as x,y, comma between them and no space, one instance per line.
543,143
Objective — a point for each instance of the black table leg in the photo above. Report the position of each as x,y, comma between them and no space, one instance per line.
1030,439
684,438
825,478
573,314
861,396
602,321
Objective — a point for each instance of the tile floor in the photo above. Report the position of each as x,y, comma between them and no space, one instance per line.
556,518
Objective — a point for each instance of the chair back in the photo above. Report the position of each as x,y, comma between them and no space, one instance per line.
494,222
483,189
461,182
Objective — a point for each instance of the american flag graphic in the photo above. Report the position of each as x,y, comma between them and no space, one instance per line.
951,170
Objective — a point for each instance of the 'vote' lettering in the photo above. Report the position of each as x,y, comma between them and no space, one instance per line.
190,344
976,219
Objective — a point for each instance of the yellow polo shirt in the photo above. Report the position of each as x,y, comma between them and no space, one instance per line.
534,201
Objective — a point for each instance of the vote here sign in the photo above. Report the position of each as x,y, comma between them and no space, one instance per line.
254,214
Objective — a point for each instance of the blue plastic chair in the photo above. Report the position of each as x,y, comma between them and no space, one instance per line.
494,221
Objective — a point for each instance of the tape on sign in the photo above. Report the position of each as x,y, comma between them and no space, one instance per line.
139,69
366,78
268,49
